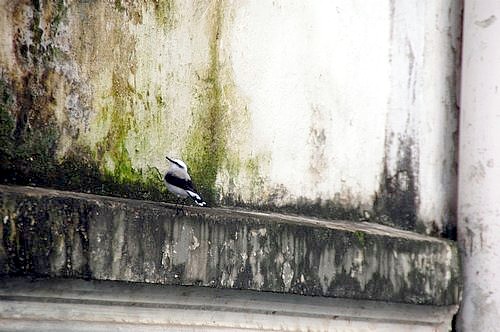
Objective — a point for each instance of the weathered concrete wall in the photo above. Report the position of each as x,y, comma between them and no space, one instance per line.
61,234
324,107
89,90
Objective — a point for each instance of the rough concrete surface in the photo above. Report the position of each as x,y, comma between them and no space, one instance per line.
64,305
63,234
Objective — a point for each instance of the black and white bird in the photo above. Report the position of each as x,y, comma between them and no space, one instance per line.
179,182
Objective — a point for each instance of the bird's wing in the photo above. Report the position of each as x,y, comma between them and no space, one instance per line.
185,184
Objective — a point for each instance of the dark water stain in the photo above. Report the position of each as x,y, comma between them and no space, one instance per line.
396,202
233,250
29,142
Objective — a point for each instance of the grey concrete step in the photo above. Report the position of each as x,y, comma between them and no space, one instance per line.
54,233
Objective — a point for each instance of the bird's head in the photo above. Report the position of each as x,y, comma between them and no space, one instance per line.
177,163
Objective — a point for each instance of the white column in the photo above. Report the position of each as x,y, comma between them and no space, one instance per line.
479,167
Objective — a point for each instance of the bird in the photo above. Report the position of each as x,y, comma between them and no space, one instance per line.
179,182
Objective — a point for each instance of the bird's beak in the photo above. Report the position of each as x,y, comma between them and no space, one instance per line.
169,159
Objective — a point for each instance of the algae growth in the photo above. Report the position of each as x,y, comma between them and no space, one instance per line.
28,157
164,10
206,146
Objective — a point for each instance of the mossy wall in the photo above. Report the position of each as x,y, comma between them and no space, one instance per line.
136,241
270,106
95,95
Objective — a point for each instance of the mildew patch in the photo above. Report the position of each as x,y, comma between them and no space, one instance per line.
164,13
318,162
93,104
206,144
62,127
150,243
396,202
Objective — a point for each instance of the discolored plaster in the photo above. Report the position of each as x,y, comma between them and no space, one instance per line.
95,94
62,125
205,148
396,202
139,241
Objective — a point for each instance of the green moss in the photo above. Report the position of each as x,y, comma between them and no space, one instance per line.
119,177
164,12
252,167
120,118
83,173
37,31
6,125
206,145
30,154
60,13
159,100
119,6
29,133
30,160
328,209
361,237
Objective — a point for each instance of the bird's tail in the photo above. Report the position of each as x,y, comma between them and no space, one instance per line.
196,198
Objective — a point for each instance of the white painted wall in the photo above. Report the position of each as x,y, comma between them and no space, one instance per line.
310,86
320,98
479,167
336,88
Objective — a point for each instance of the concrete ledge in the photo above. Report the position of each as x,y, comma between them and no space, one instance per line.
78,305
63,234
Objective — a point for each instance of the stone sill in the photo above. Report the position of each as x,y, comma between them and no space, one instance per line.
78,305
73,235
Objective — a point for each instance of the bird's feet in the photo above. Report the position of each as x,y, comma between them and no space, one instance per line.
179,209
